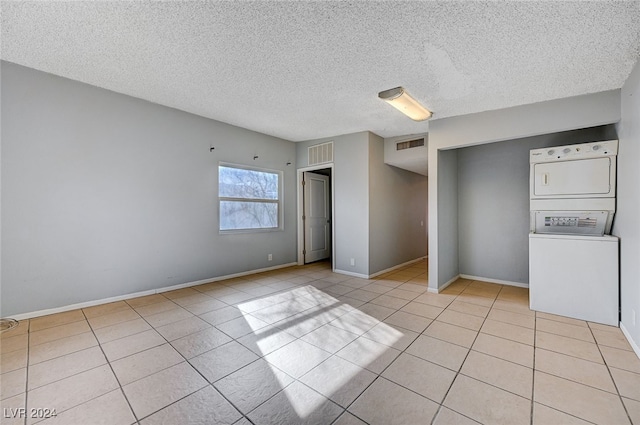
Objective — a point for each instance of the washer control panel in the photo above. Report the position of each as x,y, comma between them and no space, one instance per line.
551,221
571,222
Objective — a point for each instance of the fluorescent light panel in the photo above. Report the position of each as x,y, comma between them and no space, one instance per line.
403,102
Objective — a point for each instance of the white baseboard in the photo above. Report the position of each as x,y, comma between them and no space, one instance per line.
360,275
633,344
441,288
92,303
229,276
369,276
397,267
85,304
501,282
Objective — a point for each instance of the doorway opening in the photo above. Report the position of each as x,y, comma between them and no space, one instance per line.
315,214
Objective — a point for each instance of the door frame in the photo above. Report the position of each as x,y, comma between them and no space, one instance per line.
299,195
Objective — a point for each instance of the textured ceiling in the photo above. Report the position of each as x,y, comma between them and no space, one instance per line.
306,70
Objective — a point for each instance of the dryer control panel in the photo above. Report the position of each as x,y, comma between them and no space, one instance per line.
574,152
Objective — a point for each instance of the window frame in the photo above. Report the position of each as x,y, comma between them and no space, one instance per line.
279,202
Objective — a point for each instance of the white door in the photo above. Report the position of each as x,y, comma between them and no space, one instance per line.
317,217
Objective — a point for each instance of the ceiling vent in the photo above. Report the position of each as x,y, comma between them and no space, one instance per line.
409,144
320,154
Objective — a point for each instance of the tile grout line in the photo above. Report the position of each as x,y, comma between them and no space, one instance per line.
185,360
112,371
458,372
235,339
206,380
93,368
262,357
379,375
574,381
598,346
58,380
493,304
404,352
100,346
134,353
615,385
194,368
533,377
567,336
26,383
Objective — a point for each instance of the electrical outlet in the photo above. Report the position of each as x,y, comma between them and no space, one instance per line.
353,261
269,257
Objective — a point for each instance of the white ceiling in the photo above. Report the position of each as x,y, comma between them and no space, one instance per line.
306,70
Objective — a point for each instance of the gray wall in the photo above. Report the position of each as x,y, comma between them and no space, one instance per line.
351,185
626,224
378,208
493,203
494,126
414,159
105,195
448,261
397,205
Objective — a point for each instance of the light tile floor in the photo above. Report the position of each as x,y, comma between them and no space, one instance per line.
305,345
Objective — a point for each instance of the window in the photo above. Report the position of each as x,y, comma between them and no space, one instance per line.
250,198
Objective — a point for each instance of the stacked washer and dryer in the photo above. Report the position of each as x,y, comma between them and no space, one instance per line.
573,260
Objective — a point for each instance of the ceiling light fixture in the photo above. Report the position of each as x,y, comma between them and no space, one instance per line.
403,102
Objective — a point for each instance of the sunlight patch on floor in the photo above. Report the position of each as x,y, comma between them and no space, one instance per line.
307,309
